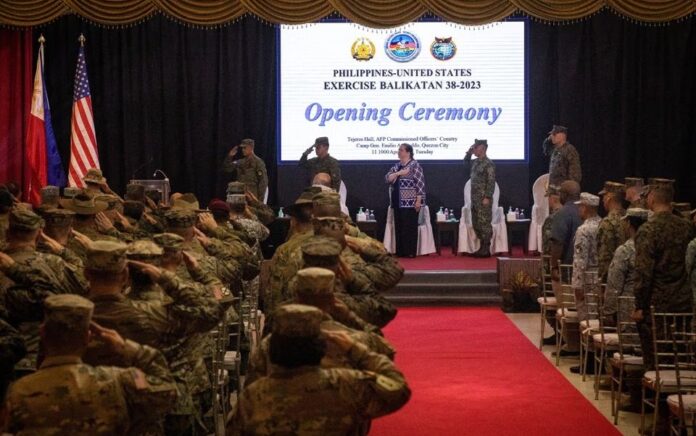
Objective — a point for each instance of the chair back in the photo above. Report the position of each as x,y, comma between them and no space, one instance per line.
467,194
567,302
684,355
629,339
539,195
546,286
667,349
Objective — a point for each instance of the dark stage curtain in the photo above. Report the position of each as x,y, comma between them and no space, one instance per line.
168,96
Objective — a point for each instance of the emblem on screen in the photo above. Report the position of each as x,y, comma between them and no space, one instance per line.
363,49
443,49
402,47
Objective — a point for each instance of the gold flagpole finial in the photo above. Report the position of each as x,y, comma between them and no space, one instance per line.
41,39
82,39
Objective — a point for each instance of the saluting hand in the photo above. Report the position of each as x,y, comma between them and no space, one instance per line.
207,222
5,261
110,338
152,271
104,224
82,239
340,339
51,243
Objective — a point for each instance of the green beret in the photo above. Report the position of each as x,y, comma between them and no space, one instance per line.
297,320
314,282
106,256
169,241
143,249
58,217
68,310
25,219
180,218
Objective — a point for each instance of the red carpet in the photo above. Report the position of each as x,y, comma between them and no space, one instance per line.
472,372
449,262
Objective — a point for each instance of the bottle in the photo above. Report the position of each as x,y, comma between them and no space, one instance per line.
361,215
517,213
372,215
522,214
510,214
281,214
447,214
440,215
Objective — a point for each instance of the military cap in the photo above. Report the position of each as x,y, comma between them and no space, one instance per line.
70,191
683,208
297,320
314,282
321,140
58,217
25,219
246,142
636,212
612,187
111,200
558,129
552,190
588,199
326,198
305,199
180,218
480,142
68,310
143,249
94,175
236,199
217,205
50,195
169,241
106,256
331,222
84,204
186,201
634,181
656,181
321,249
135,192
236,188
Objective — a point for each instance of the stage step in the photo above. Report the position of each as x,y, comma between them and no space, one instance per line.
446,288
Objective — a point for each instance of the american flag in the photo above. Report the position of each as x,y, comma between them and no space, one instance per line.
83,141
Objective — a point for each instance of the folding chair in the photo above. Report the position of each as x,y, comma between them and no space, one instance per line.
226,360
628,356
606,340
590,324
547,300
682,406
663,378
566,313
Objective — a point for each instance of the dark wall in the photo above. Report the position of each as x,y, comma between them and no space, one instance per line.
181,97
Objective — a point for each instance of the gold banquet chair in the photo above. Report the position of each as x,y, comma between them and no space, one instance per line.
605,341
682,405
628,356
547,300
590,324
566,313
663,379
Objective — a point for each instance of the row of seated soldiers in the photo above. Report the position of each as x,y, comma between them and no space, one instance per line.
107,304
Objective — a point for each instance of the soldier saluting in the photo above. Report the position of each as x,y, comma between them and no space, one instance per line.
323,163
250,170
482,173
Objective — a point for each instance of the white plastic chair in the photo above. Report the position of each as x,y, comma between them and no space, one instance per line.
343,193
265,196
426,240
540,210
468,241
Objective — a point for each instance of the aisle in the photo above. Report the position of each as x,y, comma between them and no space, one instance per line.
472,372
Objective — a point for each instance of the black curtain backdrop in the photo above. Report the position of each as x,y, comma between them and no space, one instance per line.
182,96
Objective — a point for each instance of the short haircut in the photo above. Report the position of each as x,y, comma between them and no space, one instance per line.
293,352
663,194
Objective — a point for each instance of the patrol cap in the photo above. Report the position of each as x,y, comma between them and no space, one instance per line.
143,249
613,187
683,208
70,311
169,241
180,218
297,320
327,198
84,204
634,181
236,188
588,199
25,220
50,195
94,175
552,190
321,251
328,222
314,281
235,199
186,201
636,212
480,142
321,140
305,199
70,191
58,217
245,142
106,256
558,129
111,200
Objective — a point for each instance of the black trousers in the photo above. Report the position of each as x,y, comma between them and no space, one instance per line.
406,231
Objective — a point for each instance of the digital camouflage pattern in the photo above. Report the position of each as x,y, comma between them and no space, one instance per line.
610,235
249,170
482,176
564,165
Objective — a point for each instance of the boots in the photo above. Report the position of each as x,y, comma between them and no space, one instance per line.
485,249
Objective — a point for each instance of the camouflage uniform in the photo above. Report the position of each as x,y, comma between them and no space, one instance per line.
690,263
284,265
609,236
327,165
66,396
584,256
315,400
249,170
482,176
621,279
4,225
564,165
546,233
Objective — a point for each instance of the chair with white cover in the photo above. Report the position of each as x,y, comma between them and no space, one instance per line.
540,210
682,406
566,314
468,241
426,240
343,193
265,196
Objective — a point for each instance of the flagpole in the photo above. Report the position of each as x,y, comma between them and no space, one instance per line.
42,39
82,40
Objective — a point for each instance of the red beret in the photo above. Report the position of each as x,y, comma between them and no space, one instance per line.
218,205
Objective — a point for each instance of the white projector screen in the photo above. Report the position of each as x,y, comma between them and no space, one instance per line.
434,85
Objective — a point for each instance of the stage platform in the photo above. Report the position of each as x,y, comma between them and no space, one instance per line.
448,280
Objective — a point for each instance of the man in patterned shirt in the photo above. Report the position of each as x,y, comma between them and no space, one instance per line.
565,160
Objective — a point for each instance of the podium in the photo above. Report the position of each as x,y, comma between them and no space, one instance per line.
159,185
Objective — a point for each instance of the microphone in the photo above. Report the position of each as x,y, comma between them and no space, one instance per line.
161,172
141,167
